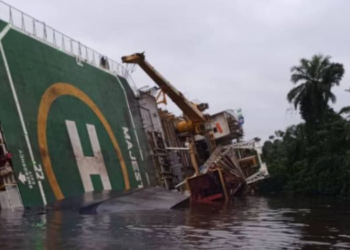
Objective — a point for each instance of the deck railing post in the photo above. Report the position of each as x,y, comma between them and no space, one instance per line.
34,28
23,24
10,16
44,30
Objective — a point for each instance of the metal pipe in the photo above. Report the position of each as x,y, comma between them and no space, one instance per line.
175,148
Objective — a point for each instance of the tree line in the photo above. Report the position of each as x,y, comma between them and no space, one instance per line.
312,157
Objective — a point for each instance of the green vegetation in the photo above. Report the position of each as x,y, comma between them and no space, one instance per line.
312,157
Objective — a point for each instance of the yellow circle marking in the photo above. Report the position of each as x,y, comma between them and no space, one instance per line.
50,95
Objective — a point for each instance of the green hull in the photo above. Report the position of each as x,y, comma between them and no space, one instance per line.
75,128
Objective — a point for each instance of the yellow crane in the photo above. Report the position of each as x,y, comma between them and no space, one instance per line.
193,113
196,122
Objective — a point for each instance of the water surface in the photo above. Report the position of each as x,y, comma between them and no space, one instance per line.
247,223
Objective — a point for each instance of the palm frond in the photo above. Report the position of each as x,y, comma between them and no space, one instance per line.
331,97
344,110
294,92
296,77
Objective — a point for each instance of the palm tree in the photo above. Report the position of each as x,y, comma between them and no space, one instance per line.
315,79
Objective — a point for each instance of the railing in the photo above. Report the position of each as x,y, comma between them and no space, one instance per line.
43,32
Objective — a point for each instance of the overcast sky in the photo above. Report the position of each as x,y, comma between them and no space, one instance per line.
231,54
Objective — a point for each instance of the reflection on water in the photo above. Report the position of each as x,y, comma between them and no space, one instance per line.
249,223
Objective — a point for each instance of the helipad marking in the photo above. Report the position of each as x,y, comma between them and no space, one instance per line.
50,95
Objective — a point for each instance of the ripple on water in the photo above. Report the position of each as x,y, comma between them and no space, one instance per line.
251,223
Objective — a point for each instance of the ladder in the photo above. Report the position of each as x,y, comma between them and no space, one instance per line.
162,160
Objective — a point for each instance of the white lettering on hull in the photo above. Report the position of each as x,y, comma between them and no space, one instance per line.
135,165
88,165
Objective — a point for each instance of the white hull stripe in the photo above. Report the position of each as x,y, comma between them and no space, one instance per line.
18,106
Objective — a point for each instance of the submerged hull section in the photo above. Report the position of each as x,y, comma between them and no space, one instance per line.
71,127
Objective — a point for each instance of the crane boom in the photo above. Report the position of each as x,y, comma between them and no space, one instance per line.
188,108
